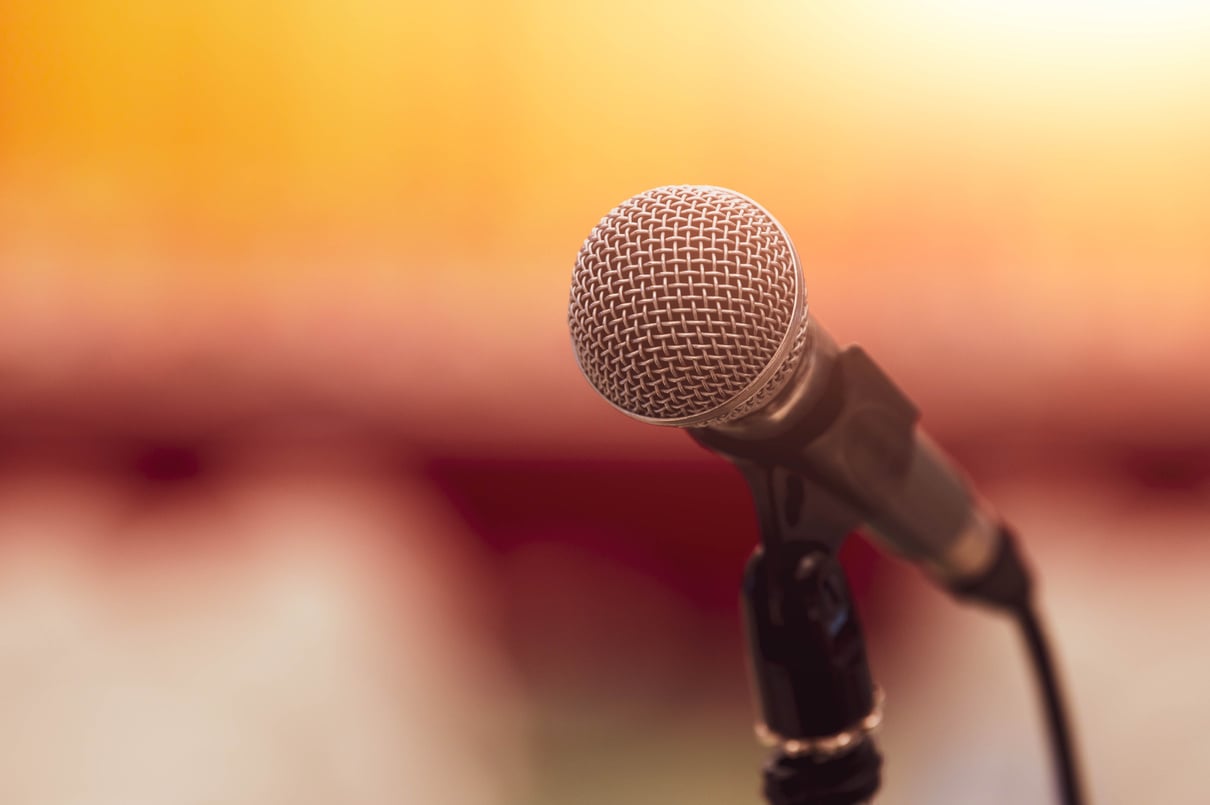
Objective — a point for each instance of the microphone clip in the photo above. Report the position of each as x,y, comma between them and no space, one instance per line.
819,708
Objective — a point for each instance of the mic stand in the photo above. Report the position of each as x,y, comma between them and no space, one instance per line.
819,706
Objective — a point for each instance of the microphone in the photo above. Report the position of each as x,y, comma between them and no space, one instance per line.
688,309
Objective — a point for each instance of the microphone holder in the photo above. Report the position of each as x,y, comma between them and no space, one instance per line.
819,706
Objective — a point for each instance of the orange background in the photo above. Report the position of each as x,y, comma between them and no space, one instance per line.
333,187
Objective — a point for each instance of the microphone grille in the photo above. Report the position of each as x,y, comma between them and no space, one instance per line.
687,306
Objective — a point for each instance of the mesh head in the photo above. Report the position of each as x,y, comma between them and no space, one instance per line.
687,306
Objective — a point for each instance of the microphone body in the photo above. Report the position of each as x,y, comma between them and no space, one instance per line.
844,425
688,309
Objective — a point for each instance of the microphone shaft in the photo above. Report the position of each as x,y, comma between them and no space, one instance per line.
852,431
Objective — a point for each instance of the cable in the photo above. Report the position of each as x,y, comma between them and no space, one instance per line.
1056,717
1007,586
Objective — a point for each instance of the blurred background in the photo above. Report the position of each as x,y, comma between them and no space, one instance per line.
303,498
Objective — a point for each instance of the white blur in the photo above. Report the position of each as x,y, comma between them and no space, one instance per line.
296,637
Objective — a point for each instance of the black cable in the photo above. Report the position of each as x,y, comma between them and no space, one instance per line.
1061,744
1007,586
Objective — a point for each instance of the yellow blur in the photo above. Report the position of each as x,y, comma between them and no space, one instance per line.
493,134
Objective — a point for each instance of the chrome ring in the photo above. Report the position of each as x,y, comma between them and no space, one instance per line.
827,745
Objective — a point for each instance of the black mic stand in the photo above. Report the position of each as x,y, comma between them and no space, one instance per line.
818,703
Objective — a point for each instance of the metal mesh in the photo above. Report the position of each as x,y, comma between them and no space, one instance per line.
680,300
